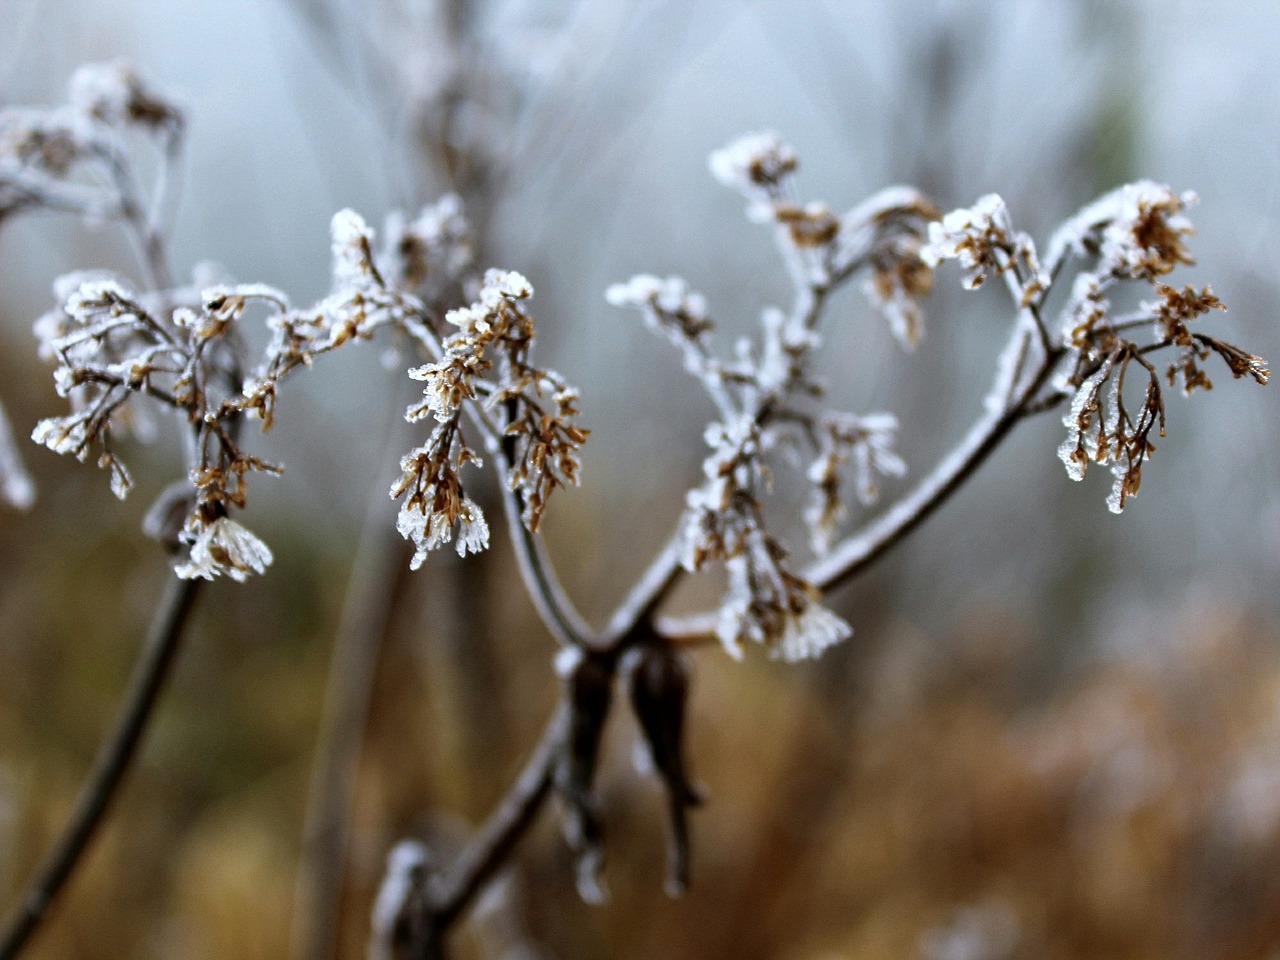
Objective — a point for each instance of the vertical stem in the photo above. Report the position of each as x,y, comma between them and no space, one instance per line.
366,610
114,759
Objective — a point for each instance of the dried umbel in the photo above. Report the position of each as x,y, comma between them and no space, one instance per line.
1134,234
531,410
123,350
768,399
120,352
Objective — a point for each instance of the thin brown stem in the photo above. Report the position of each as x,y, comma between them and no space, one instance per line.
859,551
114,759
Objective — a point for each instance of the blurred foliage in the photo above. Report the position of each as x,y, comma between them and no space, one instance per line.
948,798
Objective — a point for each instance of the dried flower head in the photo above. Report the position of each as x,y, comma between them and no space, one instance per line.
1135,232
430,253
222,547
535,411
754,163
117,94
980,237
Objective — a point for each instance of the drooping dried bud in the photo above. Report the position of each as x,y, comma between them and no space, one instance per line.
588,680
658,681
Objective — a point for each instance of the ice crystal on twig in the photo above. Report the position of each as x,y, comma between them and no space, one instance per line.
864,442
223,547
436,503
74,158
534,408
756,165
768,397
431,252
117,94
1133,234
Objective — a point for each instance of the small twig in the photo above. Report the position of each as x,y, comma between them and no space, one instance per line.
857,552
115,756
549,598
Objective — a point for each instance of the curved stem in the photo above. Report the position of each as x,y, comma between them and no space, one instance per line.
553,604
115,756
859,551
856,553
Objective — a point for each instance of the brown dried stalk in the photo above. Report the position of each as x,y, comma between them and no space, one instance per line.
112,764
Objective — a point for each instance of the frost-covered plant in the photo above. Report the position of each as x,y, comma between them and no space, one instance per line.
123,351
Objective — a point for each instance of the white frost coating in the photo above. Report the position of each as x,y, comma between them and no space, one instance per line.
1076,451
93,295
430,530
808,635
1119,468
352,244
406,872
50,141
62,435
647,292
1008,368
890,198
1087,307
970,235
225,548
216,294
116,93
502,285
16,485
1109,224
906,319
753,162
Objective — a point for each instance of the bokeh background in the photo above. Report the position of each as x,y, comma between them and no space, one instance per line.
1055,733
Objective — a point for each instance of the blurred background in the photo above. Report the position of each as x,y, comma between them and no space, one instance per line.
1055,733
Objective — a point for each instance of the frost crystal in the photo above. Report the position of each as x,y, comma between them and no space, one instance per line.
427,531
867,443
502,285
49,142
671,296
807,635
1137,231
352,250
116,94
434,249
753,161
668,305
756,165
977,236
541,439
223,548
